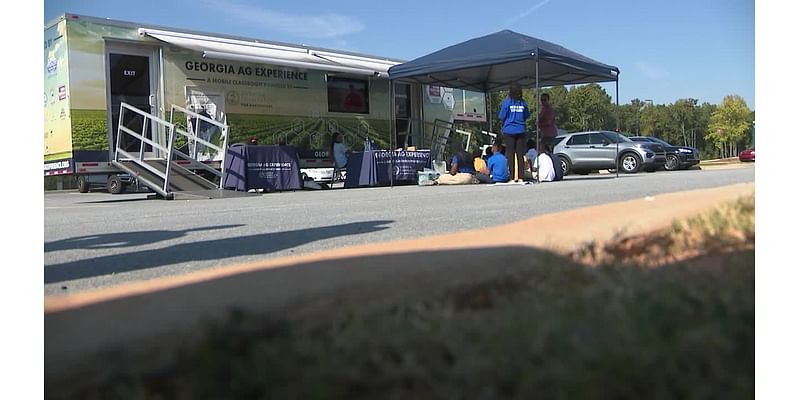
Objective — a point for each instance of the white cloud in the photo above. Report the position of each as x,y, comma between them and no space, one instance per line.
311,26
651,71
524,14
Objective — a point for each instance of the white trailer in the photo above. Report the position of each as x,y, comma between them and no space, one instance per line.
227,89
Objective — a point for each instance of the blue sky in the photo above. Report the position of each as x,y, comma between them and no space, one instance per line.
665,50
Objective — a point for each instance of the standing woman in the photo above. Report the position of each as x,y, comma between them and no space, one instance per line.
513,114
547,121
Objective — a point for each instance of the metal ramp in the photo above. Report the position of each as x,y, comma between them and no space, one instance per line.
181,179
169,179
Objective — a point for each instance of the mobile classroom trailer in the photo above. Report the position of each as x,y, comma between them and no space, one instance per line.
275,92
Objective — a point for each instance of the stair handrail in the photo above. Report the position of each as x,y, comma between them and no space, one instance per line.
193,137
125,107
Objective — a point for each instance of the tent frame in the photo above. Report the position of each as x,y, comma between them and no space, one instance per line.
448,67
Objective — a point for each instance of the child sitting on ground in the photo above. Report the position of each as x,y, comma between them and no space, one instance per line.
498,167
479,163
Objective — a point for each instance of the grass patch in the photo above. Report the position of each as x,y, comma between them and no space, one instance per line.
615,328
729,227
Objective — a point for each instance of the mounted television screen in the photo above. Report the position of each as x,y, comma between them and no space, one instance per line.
348,95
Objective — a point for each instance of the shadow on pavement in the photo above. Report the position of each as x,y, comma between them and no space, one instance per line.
125,200
571,178
123,239
216,249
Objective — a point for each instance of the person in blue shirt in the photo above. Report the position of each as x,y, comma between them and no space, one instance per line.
498,165
462,170
514,112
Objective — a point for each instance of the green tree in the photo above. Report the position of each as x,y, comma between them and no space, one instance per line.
589,107
683,115
704,112
655,121
630,116
730,125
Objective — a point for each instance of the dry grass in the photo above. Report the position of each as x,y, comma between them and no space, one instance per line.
730,227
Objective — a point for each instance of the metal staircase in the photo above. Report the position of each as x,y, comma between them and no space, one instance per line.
159,167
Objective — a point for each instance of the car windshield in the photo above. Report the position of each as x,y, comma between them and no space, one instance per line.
616,137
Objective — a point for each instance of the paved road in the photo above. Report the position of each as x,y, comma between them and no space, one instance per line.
96,239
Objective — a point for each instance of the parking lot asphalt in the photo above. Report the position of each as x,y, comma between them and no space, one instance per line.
96,240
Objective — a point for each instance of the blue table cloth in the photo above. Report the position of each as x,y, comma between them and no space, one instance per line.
262,167
380,167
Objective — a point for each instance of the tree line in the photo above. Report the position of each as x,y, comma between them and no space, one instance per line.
716,130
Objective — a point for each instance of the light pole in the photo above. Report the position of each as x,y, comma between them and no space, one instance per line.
638,110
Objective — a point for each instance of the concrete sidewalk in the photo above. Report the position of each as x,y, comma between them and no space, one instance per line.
81,324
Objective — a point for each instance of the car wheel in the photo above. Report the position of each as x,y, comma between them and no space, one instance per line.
83,184
672,163
115,185
630,163
566,167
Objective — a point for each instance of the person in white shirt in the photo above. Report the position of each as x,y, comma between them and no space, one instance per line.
339,150
544,165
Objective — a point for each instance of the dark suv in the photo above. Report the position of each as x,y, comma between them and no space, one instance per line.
678,157
583,152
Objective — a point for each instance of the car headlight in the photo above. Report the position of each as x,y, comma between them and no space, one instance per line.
684,150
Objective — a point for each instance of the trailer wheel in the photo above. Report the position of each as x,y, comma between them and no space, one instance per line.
83,184
115,185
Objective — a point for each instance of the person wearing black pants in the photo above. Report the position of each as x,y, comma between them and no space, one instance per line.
514,112
515,150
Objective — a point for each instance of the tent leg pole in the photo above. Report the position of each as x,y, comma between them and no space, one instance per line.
616,83
392,132
538,104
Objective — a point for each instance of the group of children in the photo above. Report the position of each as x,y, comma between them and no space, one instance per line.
493,167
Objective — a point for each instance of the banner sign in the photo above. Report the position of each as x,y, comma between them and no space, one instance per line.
59,167
406,164
372,168
262,167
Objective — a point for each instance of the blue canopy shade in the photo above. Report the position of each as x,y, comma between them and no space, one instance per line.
495,61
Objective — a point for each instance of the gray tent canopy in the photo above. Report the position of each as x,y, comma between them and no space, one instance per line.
494,61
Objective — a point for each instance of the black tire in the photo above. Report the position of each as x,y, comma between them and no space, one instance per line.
115,185
566,166
672,163
83,184
630,163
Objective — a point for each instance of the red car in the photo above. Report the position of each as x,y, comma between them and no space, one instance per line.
748,155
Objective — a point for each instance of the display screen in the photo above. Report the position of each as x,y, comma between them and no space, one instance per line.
348,95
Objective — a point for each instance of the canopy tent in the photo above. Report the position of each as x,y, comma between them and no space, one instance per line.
495,61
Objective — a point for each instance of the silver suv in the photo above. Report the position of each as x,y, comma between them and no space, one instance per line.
582,152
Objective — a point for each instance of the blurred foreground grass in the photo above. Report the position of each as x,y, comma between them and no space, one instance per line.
661,316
